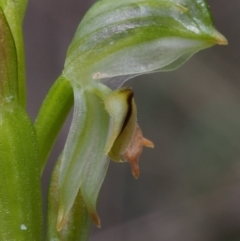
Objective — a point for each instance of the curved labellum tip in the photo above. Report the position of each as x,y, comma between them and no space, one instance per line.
147,143
134,150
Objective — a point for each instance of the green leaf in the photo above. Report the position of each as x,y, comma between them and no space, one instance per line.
132,37
79,223
20,189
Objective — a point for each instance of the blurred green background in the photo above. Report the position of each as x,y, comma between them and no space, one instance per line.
189,186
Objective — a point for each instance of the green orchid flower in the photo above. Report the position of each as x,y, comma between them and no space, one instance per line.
115,41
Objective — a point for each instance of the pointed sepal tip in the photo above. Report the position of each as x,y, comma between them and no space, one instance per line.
95,218
220,39
61,220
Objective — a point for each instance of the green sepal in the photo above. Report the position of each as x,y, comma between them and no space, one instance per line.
20,189
79,224
132,37
84,163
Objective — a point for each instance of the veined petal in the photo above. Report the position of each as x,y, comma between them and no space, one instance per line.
150,56
121,39
93,176
83,153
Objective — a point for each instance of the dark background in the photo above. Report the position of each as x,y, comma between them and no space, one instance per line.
189,187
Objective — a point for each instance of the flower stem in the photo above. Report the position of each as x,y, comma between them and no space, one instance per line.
52,115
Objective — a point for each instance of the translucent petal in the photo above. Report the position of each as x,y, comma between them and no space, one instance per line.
93,176
83,151
117,81
120,39
144,58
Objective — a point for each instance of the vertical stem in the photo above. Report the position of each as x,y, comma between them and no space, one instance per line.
20,190
21,6
8,62
15,23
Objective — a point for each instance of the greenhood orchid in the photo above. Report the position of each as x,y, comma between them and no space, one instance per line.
115,41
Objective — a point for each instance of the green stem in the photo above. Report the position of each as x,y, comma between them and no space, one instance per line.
21,6
20,190
14,11
8,62
52,115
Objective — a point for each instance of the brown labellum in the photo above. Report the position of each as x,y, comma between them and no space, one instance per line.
134,150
